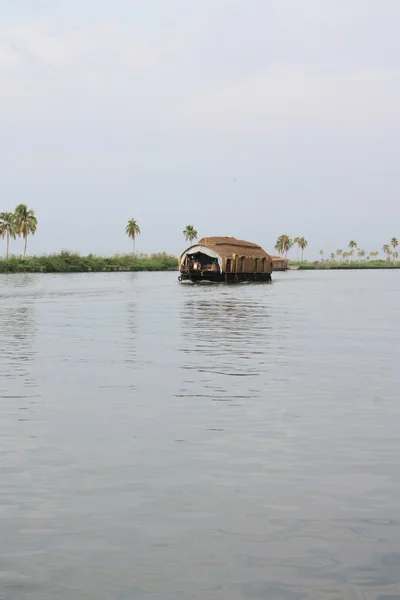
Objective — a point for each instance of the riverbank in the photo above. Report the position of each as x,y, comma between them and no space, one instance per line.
71,262
376,264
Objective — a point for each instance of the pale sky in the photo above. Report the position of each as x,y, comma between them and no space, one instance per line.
151,110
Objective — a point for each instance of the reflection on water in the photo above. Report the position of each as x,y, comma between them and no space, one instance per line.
17,335
203,442
223,338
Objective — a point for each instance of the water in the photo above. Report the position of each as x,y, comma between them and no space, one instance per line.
165,441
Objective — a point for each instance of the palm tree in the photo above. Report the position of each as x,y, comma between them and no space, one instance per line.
396,256
7,228
25,223
333,256
374,254
352,246
339,253
190,233
394,242
283,244
387,250
361,253
132,230
297,242
303,245
321,253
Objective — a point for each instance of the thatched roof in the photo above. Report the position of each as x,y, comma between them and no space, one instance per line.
227,246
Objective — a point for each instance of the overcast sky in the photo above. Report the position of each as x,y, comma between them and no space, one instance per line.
151,109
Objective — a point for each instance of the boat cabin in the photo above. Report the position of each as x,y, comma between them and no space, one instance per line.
225,259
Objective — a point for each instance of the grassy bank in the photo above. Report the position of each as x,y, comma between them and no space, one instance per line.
376,264
71,262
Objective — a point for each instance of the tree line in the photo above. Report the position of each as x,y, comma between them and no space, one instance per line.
284,243
20,223
23,222
354,252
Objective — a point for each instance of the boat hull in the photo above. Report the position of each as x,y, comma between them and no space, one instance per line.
197,276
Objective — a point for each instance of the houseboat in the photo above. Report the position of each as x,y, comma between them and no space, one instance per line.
279,263
225,259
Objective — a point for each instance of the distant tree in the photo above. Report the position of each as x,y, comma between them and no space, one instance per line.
387,250
7,228
190,233
303,245
132,230
346,255
339,253
25,223
296,242
283,244
374,254
396,256
352,246
321,253
394,242
333,257
361,254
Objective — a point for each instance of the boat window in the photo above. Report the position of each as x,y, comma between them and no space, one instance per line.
263,265
228,265
256,265
241,267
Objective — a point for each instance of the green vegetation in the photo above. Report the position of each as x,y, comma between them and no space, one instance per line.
71,262
355,258
327,265
190,233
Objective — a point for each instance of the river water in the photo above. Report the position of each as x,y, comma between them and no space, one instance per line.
164,441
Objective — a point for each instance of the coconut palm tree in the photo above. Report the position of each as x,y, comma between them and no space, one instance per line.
190,233
296,242
394,242
348,256
25,223
303,245
352,246
283,244
396,256
361,253
374,254
288,244
333,256
279,246
7,228
387,250
132,230
339,253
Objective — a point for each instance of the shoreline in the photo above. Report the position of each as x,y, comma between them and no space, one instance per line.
69,262
343,267
72,262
